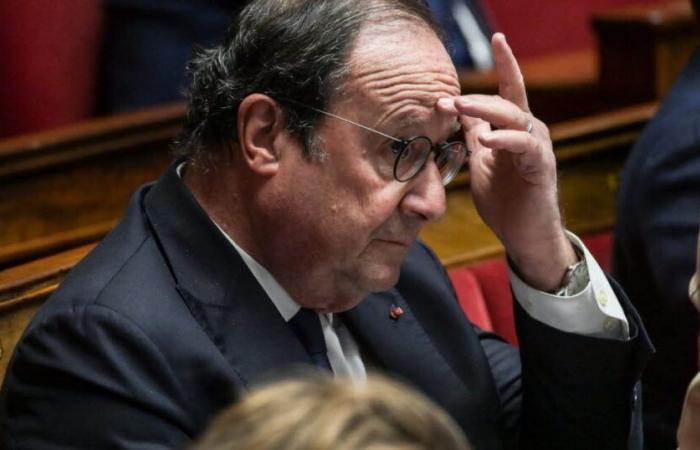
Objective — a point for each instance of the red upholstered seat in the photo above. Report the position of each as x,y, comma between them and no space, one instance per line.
471,297
49,66
540,28
483,289
600,246
493,279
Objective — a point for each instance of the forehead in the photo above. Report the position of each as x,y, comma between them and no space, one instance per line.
397,71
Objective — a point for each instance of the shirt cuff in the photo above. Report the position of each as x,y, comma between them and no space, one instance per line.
595,311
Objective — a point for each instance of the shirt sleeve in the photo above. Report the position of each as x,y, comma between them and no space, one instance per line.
594,311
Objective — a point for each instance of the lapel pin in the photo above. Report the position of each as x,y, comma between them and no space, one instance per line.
395,312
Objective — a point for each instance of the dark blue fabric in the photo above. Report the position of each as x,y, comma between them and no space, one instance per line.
307,326
654,250
147,45
455,41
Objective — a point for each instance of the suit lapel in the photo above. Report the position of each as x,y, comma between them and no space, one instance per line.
249,333
431,345
401,345
219,290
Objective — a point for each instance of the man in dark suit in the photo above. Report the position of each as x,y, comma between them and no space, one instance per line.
654,256
287,235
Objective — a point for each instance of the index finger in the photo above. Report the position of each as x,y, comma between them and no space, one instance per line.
511,85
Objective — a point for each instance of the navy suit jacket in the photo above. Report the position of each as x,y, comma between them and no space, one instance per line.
148,43
162,325
455,41
655,242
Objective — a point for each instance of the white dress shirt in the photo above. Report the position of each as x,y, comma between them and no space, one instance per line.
341,348
595,311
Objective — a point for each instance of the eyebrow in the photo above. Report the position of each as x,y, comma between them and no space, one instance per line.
411,119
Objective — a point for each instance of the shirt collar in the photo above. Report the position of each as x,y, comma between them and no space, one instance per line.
286,306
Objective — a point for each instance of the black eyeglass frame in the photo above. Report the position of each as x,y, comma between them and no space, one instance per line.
400,146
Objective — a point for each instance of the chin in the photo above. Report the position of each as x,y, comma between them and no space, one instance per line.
383,278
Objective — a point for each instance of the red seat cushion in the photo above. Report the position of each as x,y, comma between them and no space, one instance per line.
470,298
600,246
491,307
547,21
492,277
49,63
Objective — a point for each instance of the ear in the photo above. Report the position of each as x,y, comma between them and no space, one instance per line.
260,121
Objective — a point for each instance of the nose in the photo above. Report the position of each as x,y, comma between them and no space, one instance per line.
425,197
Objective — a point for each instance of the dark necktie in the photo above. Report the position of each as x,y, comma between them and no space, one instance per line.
307,326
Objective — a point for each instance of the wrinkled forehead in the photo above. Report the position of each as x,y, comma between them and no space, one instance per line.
399,70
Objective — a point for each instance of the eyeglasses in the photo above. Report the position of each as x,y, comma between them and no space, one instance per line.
412,154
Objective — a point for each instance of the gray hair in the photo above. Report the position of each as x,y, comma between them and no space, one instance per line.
286,49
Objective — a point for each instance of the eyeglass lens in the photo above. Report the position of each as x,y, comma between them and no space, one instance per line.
413,156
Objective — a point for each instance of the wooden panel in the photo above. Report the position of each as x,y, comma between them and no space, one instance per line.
66,187
642,50
560,86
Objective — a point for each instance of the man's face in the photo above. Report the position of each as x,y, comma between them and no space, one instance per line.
348,224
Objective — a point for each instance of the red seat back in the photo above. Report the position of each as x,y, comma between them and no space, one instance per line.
539,28
483,289
49,68
471,299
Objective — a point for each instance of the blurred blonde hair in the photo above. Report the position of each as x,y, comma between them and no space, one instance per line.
318,412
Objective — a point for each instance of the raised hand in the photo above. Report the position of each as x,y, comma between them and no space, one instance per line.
513,173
